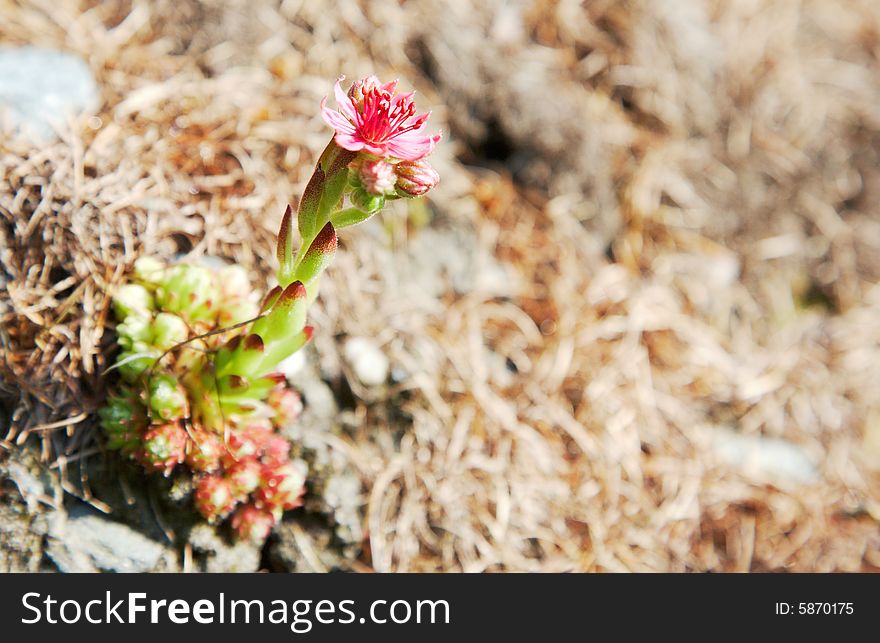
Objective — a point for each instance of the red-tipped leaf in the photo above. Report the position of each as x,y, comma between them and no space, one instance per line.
319,255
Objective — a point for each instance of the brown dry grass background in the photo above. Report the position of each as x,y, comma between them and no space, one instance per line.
683,192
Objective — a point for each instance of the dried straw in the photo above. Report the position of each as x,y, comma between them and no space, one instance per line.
565,417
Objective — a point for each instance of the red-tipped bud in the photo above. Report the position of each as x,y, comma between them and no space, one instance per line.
214,498
248,442
277,451
287,405
244,477
164,447
205,451
252,524
281,487
415,178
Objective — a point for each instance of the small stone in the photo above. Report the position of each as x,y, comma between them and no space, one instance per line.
343,495
221,555
85,542
292,366
20,541
42,87
305,545
369,363
30,487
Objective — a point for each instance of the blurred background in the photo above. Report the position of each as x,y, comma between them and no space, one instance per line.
636,327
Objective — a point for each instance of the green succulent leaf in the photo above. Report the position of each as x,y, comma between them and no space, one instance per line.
349,217
318,256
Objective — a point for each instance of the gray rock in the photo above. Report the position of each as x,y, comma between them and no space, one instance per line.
320,403
343,496
85,542
220,555
335,489
20,544
42,87
452,253
30,485
305,546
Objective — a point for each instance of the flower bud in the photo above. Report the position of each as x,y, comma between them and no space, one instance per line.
168,330
132,299
252,524
164,447
248,442
277,451
282,486
370,203
415,178
376,176
244,477
204,452
167,397
287,405
214,498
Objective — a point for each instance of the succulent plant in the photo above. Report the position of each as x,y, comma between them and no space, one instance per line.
199,353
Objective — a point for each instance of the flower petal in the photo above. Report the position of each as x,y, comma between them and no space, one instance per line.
335,120
403,99
379,149
349,142
412,146
344,102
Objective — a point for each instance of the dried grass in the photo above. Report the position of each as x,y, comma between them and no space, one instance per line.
567,420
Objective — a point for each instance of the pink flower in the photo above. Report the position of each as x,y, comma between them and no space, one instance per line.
373,119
